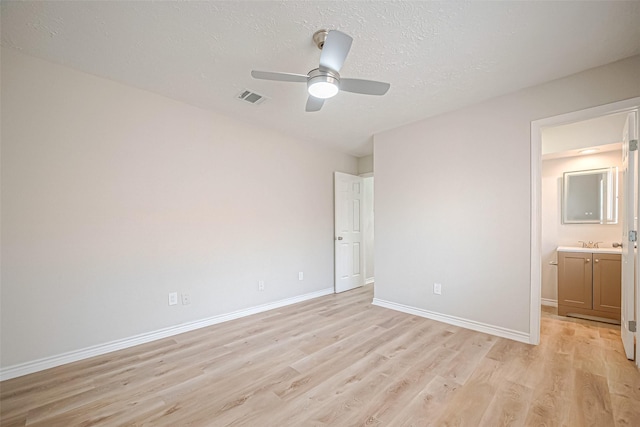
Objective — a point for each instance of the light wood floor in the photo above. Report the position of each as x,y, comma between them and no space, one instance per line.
340,361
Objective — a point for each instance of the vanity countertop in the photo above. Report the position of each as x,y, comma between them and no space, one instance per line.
590,250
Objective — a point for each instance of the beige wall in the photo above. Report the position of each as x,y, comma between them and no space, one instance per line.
554,233
453,199
112,197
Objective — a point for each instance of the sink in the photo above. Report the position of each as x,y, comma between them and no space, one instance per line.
590,250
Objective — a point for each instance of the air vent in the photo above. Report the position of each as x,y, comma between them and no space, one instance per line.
251,97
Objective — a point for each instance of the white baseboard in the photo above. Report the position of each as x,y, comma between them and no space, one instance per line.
369,281
456,321
549,302
96,350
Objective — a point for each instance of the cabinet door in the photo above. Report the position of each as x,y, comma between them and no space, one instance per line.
607,283
574,280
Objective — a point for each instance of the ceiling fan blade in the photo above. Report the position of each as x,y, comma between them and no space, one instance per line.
282,77
335,49
314,104
366,87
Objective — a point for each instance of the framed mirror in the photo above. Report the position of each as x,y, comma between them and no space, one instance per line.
590,196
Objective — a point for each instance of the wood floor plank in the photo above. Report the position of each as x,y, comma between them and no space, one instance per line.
427,405
350,403
626,410
462,366
592,405
509,406
332,361
110,396
414,361
551,398
339,361
469,404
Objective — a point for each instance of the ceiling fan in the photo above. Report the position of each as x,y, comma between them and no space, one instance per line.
324,82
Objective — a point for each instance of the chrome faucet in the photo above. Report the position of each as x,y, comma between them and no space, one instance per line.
590,244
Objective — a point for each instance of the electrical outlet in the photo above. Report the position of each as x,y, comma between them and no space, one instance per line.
261,285
186,299
437,288
301,276
173,298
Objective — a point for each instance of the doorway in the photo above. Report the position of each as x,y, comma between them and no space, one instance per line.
536,196
353,231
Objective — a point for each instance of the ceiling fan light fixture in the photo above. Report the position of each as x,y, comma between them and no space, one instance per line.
323,84
322,90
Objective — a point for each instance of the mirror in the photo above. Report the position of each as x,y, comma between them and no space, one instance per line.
590,197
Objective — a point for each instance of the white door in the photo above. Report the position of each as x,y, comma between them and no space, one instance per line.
629,158
348,232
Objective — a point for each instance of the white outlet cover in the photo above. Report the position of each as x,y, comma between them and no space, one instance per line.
437,288
301,276
186,299
173,298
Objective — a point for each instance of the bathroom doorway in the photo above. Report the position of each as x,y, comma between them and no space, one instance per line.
542,270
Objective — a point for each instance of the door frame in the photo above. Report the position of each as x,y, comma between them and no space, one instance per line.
365,251
536,197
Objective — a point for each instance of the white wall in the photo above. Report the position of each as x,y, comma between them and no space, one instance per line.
554,233
112,197
453,200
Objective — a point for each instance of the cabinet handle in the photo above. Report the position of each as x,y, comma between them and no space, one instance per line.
588,260
597,260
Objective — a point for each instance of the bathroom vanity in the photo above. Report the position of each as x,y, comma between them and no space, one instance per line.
589,283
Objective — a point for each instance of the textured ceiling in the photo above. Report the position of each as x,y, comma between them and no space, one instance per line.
438,56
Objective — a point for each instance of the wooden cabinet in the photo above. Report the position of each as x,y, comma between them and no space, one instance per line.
575,280
589,284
